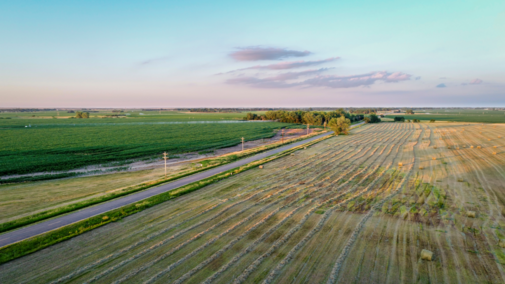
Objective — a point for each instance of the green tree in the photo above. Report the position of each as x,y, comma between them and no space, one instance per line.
374,118
340,125
80,114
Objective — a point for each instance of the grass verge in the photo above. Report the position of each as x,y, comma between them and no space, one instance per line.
39,242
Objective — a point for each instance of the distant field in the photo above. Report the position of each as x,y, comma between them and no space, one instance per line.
21,119
57,147
350,209
484,116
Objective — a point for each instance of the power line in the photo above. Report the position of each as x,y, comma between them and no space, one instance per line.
165,157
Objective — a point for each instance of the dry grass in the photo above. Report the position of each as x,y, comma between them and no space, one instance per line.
22,199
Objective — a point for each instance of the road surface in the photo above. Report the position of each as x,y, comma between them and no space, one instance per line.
58,222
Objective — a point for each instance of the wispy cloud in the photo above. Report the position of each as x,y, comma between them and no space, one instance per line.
441,85
286,65
153,61
285,80
278,81
473,82
255,53
418,78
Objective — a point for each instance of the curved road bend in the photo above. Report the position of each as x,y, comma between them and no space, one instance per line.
58,222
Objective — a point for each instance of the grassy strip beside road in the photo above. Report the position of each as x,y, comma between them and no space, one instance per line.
38,178
41,241
206,165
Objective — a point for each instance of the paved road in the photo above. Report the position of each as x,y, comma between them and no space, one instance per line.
55,223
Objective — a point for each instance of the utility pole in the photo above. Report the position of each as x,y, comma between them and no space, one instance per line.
166,158
308,129
242,143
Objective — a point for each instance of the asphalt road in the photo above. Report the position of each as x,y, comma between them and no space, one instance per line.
58,222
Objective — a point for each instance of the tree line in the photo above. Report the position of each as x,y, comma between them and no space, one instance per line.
305,117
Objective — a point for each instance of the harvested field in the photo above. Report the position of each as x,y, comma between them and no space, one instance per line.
351,209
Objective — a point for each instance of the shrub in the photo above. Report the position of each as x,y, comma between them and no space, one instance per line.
399,118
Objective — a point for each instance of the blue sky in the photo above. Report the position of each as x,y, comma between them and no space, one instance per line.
257,53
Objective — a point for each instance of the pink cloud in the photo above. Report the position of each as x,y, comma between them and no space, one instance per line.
256,53
285,80
278,81
288,65
476,82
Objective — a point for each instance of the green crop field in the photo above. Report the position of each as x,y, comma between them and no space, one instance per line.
64,147
457,115
29,144
22,119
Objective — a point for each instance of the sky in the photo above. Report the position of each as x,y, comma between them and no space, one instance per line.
252,53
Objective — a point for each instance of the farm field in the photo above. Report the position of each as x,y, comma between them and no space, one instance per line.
62,147
357,208
457,115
